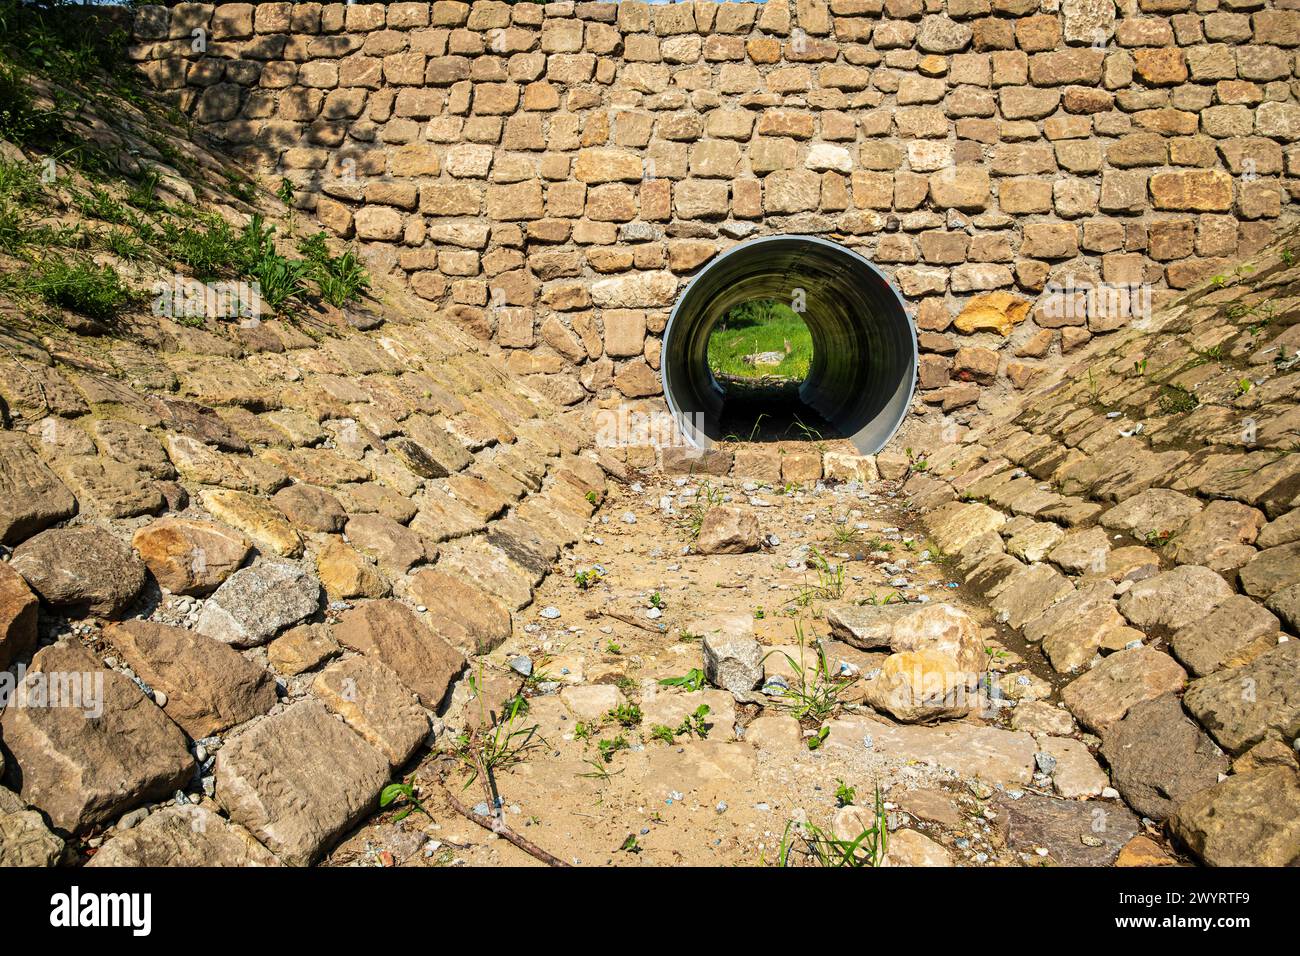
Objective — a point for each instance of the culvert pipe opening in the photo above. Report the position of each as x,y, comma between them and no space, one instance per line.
863,367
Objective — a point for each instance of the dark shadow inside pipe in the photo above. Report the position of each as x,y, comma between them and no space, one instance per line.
863,366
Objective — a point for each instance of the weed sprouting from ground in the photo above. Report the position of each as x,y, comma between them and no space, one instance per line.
814,694
694,724
706,500
505,743
405,790
341,279
692,680
814,846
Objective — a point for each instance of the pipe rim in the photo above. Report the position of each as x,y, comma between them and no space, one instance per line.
884,425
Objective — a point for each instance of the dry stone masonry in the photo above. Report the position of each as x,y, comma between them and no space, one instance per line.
1136,518
287,557
549,176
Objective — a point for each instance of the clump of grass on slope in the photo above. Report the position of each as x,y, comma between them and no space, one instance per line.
341,279
77,284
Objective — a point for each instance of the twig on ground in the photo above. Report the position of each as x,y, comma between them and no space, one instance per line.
498,827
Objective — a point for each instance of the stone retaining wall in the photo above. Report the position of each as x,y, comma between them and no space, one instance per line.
551,176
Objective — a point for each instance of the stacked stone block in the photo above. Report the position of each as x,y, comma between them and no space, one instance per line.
549,176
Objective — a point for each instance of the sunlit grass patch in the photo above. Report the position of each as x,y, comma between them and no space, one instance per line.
761,339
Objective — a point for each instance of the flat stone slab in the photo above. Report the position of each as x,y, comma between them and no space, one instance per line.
1103,695
376,704
489,568
1175,598
1219,538
1156,512
1076,773
1234,633
24,838
309,508
108,488
1082,551
85,569
209,685
1028,592
394,546
671,709
265,524
31,496
464,615
1073,832
347,573
591,701
865,627
302,648
1271,571
18,607
299,780
955,525
192,835
396,635
985,753
88,764
259,602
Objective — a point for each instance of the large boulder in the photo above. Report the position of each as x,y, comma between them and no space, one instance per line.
943,628
101,750
1244,705
922,686
84,569
913,848
209,685
188,556
259,602
1250,819
1158,758
17,617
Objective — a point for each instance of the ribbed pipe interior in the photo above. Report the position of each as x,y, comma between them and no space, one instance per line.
864,360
